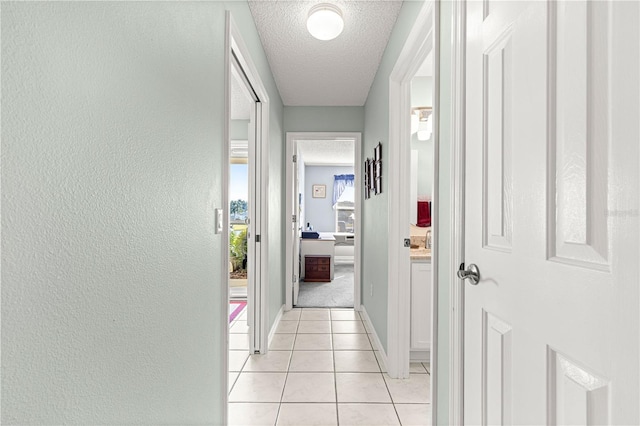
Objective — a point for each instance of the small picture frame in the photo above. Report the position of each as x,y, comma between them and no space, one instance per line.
319,191
372,175
367,179
378,182
378,185
377,152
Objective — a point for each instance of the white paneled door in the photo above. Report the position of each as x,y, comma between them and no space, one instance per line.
551,212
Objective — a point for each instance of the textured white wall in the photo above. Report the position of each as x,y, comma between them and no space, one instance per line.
112,129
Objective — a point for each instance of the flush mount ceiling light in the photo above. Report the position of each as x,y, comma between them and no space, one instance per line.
325,21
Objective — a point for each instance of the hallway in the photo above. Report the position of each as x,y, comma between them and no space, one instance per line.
321,370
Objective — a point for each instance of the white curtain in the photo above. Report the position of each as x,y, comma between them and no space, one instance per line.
340,182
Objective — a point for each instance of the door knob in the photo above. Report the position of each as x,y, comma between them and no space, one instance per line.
472,273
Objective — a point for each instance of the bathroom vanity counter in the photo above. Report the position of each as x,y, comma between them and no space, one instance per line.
420,254
419,237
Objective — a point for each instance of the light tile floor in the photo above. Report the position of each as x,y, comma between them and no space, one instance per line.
321,369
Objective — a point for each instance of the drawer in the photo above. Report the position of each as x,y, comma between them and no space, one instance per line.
317,268
316,260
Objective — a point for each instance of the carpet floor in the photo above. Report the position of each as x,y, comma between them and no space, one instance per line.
335,294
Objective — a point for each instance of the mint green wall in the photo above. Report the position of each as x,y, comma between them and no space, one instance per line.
375,209
239,130
112,142
324,119
424,150
422,92
243,18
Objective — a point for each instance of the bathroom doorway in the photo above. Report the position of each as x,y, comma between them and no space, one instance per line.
421,221
413,284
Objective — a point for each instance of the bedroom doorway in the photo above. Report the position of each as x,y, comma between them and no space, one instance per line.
323,254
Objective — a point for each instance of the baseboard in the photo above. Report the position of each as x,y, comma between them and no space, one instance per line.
343,260
237,292
420,356
272,332
377,344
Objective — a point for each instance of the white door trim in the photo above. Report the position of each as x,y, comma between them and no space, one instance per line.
234,44
457,171
292,137
418,45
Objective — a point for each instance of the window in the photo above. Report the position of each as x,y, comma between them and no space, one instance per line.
345,217
343,202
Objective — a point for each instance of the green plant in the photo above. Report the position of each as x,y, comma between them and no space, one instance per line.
238,248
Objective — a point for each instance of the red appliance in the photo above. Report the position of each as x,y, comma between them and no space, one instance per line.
424,214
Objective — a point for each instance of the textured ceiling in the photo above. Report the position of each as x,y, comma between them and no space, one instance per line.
335,152
310,72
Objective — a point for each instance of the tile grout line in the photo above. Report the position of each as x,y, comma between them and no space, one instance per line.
229,350
286,377
385,382
392,400
335,376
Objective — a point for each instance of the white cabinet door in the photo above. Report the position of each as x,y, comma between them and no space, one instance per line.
551,329
420,306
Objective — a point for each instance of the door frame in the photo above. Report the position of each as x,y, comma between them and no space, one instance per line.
457,136
420,42
291,149
235,46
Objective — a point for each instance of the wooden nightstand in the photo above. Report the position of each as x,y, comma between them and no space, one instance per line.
317,269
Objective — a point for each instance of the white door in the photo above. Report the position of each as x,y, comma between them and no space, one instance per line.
253,246
295,234
551,213
246,100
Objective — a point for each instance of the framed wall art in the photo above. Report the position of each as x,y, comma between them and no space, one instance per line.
373,173
367,180
377,172
319,191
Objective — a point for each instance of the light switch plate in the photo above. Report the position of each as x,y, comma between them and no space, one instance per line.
218,219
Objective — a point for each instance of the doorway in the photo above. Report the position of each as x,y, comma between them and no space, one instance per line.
323,200
420,203
241,187
244,223
244,212
412,263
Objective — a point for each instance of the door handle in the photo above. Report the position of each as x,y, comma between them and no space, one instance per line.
472,273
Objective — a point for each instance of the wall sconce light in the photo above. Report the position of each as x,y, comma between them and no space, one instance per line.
421,122
325,21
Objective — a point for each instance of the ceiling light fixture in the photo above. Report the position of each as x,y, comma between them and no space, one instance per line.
325,21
